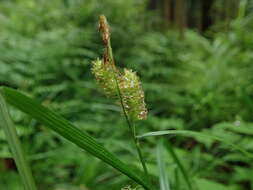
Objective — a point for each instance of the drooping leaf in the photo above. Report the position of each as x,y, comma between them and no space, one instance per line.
197,134
70,132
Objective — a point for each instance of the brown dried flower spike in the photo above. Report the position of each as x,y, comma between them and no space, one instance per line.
104,29
116,84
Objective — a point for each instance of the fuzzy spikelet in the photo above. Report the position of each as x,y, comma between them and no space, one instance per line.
133,95
129,85
105,77
124,86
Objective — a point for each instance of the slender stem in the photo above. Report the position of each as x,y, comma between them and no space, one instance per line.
108,55
180,166
15,146
133,131
137,144
130,125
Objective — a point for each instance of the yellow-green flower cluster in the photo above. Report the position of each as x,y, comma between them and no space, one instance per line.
105,77
133,95
129,87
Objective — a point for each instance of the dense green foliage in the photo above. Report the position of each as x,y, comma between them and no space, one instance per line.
195,84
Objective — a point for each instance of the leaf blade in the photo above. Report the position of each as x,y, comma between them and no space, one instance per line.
71,133
197,134
18,155
180,165
163,177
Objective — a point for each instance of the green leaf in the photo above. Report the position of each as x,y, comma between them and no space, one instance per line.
180,166
72,133
15,146
164,183
197,134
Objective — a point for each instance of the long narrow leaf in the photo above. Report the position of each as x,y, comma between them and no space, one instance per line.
197,134
70,132
180,166
163,177
15,146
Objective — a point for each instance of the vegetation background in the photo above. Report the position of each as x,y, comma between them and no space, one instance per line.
194,58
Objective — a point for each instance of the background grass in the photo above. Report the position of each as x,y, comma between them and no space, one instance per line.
195,84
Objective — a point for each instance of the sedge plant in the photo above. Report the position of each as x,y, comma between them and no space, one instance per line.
125,88
125,85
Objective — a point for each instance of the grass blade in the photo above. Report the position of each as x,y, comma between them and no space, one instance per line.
72,133
15,146
163,177
197,134
180,166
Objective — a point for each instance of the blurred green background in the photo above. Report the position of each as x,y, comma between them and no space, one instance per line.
195,61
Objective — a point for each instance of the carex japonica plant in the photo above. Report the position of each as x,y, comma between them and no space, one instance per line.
124,87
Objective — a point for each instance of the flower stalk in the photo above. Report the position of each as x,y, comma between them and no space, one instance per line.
125,86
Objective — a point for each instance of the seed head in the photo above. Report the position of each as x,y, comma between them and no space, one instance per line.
125,86
105,77
132,95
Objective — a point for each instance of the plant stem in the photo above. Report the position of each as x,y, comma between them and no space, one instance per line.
129,123
108,56
133,132
137,144
15,146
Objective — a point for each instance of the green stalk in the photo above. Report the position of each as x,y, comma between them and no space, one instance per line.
129,123
15,146
180,166
133,132
137,144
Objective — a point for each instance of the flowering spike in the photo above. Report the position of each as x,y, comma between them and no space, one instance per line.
133,95
129,85
104,75
125,86
104,29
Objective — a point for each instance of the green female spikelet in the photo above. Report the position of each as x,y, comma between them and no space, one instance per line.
129,85
105,78
133,95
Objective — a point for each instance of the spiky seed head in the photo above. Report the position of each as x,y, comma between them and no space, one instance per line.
125,86
105,77
132,95
129,85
